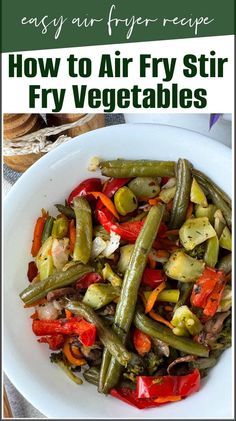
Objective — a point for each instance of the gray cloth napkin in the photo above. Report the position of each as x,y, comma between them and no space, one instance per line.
21,408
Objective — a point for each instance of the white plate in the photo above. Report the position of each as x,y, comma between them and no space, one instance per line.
49,181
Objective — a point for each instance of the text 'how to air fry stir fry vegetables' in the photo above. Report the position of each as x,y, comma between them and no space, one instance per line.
130,284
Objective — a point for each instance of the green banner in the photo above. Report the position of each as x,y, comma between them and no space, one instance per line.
44,24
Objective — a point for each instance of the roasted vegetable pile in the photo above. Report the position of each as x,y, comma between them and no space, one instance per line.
131,280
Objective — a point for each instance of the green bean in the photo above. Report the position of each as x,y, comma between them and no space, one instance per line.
185,289
69,372
92,375
106,359
66,210
221,192
126,306
106,335
182,195
157,330
216,197
225,263
203,363
58,279
84,230
47,230
120,168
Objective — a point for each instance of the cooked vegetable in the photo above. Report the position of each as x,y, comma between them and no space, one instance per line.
54,342
57,280
112,277
84,188
47,311
32,271
107,202
166,195
153,277
197,195
106,335
153,313
73,326
112,185
47,230
151,299
208,212
185,289
195,231
38,232
92,375
212,252
182,195
183,268
169,295
226,239
142,168
67,351
98,295
225,264
60,252
129,292
112,245
60,227
207,180
160,319
72,236
125,201
125,255
59,360
185,322
144,188
142,342
216,196
162,386
156,330
66,210
219,222
83,242
128,231
226,300
88,279
207,291
44,260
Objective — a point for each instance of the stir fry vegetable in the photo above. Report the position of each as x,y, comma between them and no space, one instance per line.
131,281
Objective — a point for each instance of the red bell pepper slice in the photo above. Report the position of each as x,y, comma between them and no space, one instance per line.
73,326
150,387
207,291
54,342
128,231
110,188
87,280
91,184
153,277
214,299
142,342
129,396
